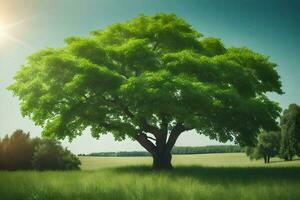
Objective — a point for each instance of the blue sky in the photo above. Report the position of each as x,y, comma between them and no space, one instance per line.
270,27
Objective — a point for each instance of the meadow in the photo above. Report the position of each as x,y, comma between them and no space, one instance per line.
206,176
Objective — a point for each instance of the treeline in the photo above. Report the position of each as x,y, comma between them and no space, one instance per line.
207,149
20,152
176,150
284,143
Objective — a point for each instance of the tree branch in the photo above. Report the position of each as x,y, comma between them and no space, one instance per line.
150,128
176,131
147,144
143,123
164,124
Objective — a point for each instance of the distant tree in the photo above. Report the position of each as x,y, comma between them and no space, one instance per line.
290,130
268,146
50,155
149,79
16,151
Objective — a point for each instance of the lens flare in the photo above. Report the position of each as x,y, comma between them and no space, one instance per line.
6,34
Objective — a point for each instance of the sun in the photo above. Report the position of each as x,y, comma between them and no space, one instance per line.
6,34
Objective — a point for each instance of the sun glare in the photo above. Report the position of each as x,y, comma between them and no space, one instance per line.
8,35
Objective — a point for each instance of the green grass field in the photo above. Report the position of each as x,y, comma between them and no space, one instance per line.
207,176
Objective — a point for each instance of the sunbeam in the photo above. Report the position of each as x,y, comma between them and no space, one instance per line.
4,34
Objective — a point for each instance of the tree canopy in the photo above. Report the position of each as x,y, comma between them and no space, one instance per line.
153,75
268,146
290,130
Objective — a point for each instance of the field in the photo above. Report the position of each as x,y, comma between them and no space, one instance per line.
207,176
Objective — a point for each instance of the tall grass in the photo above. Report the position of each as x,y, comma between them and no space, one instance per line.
210,181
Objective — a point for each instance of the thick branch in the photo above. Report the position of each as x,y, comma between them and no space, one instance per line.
145,126
143,123
150,128
147,144
162,137
176,131
164,125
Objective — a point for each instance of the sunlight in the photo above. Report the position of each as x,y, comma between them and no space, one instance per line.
5,36
5,33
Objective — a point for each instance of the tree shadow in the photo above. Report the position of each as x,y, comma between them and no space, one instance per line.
221,175
279,161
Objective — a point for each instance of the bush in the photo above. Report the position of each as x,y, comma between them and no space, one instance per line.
50,155
16,151
20,152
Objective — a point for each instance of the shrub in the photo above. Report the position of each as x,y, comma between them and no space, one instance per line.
16,151
20,152
50,155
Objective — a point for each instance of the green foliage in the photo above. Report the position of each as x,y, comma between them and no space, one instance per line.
50,155
150,73
19,152
268,146
290,130
16,151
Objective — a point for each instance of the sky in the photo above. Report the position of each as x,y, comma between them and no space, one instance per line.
270,27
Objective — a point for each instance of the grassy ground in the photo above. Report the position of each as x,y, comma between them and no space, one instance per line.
208,160
214,176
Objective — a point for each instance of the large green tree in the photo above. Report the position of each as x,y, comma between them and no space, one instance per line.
290,130
149,79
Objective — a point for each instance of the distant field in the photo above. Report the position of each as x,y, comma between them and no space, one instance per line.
207,176
211,160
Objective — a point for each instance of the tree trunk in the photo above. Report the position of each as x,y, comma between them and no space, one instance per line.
161,151
268,159
162,161
265,159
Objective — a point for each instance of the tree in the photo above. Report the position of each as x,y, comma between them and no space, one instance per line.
290,130
149,79
50,155
19,152
16,151
268,146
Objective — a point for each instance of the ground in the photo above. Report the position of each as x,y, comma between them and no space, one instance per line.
207,176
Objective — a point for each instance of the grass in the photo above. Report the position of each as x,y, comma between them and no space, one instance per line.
209,176
208,160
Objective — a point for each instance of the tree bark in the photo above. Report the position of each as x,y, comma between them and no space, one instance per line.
147,144
162,160
161,150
